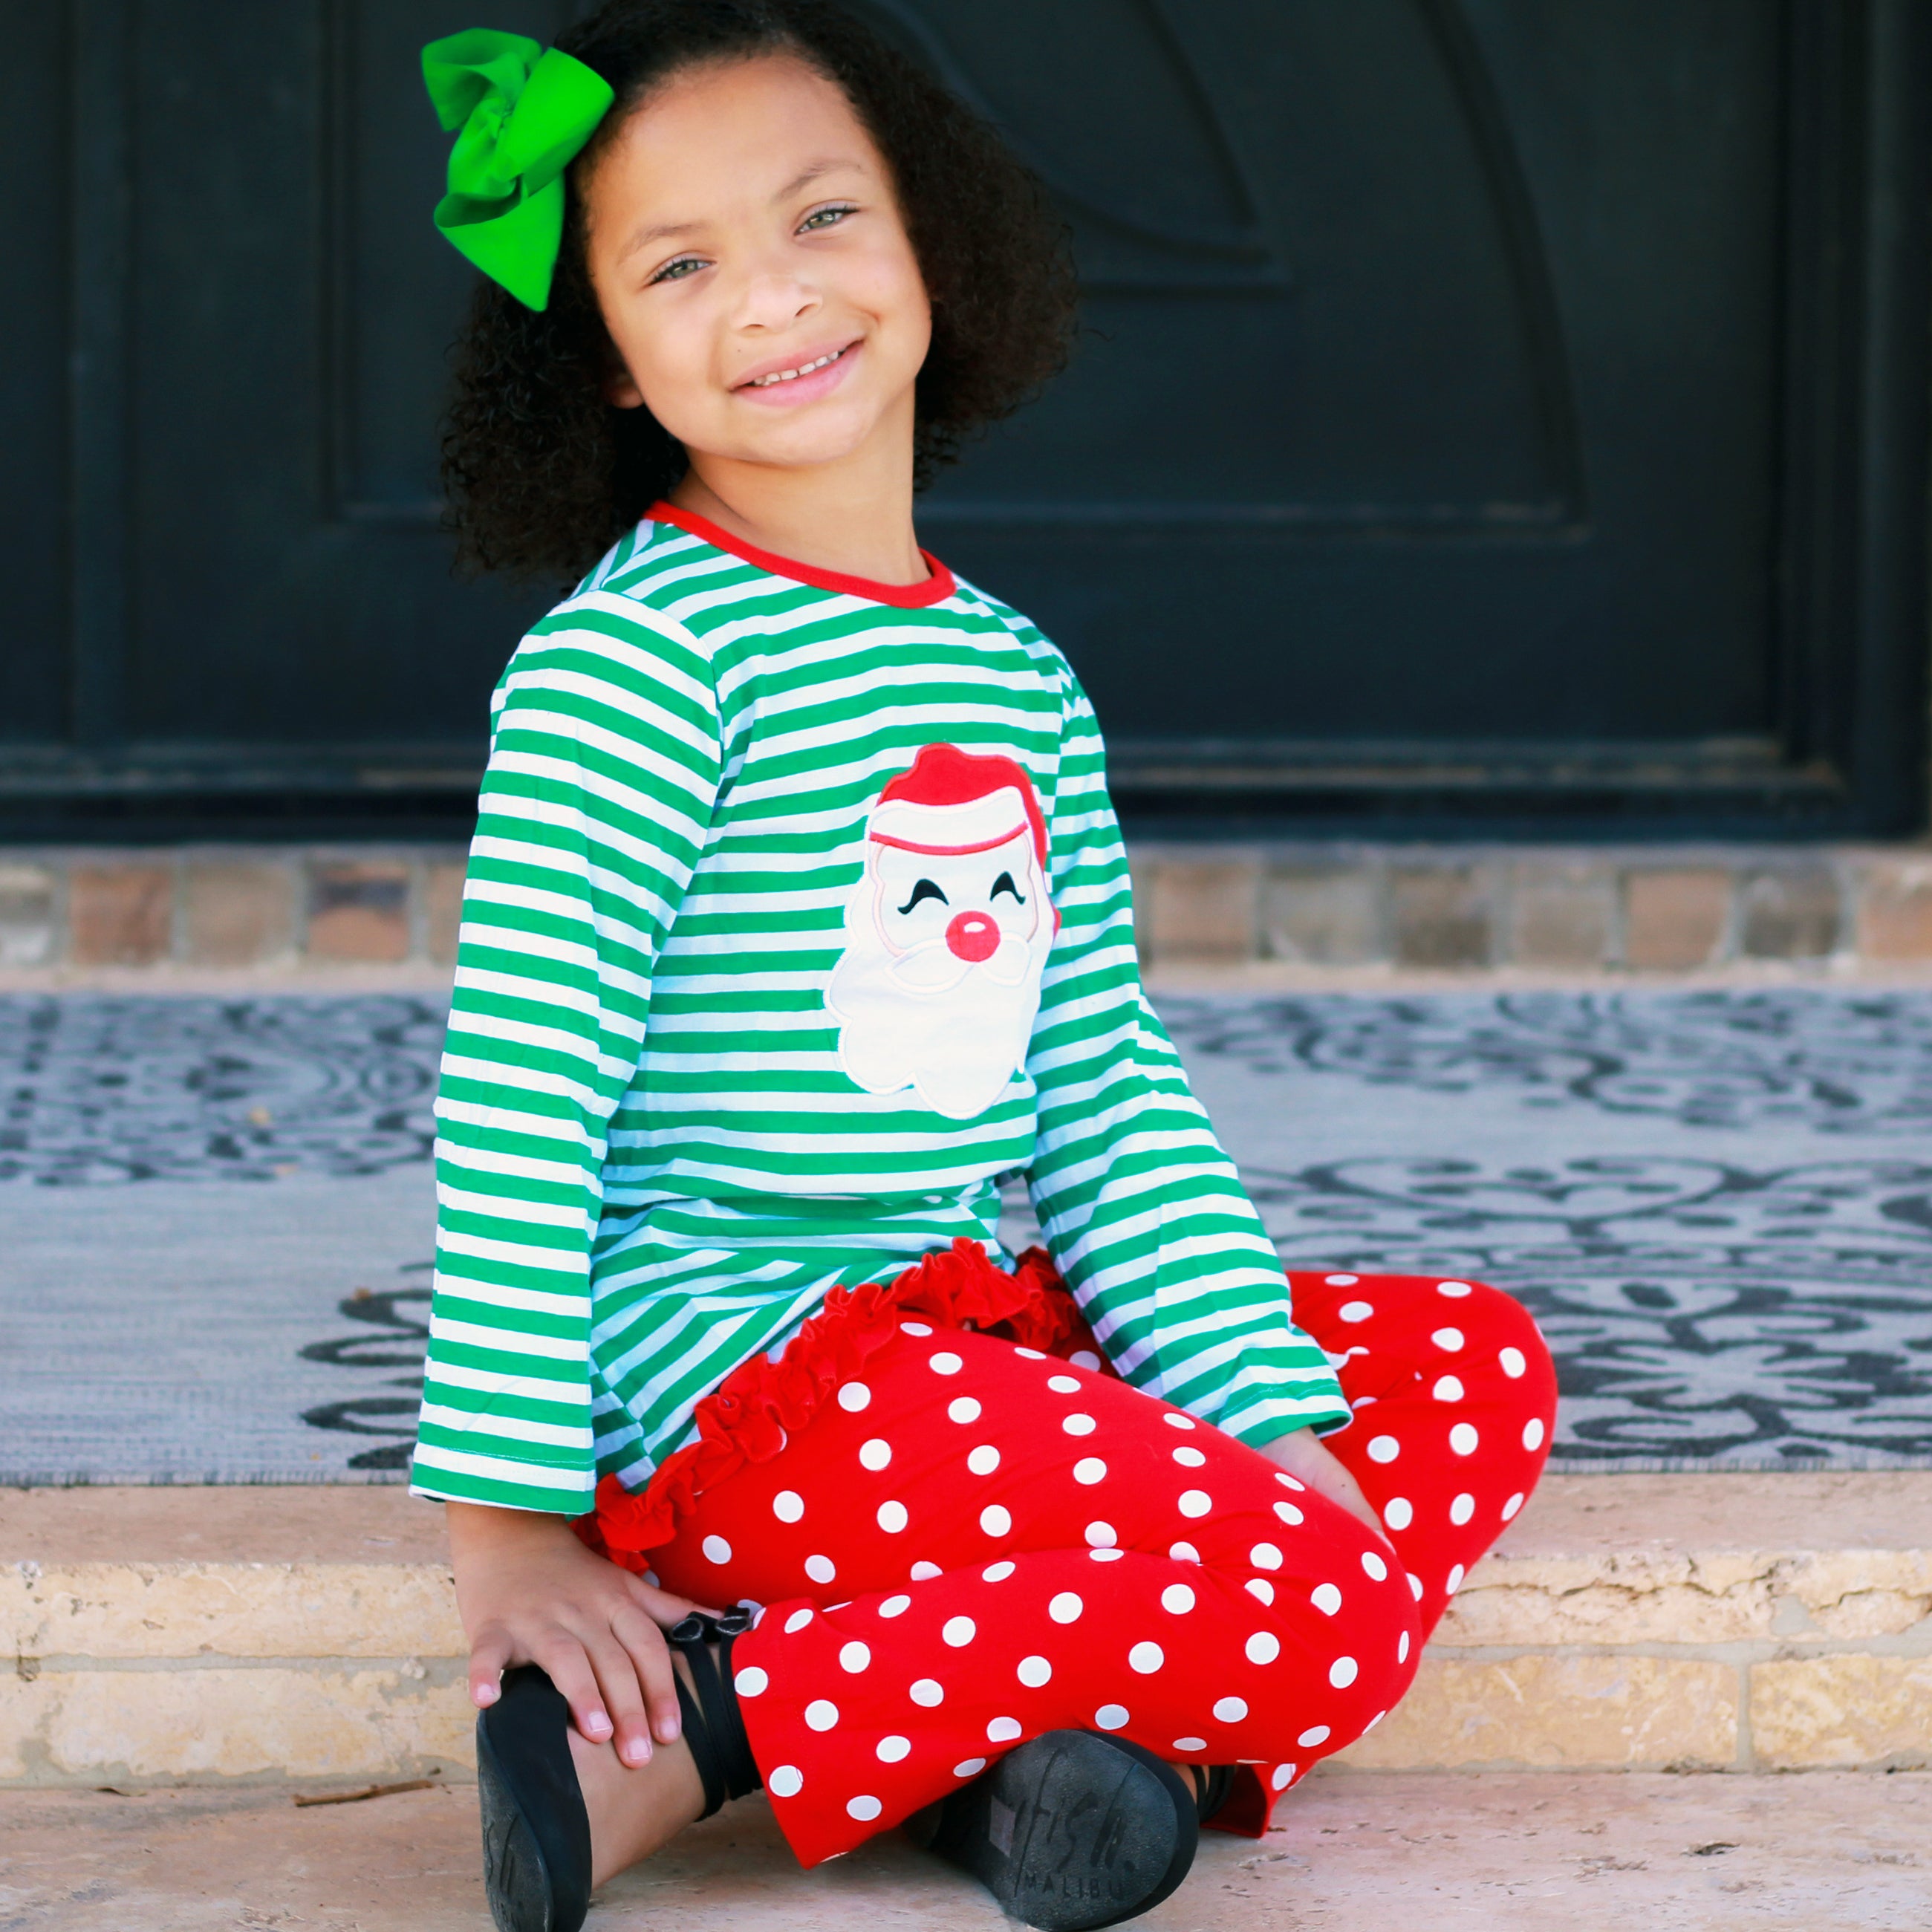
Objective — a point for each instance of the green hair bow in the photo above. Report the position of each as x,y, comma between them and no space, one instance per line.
524,115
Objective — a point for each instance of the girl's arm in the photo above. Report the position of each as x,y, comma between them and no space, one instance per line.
603,773
1141,1209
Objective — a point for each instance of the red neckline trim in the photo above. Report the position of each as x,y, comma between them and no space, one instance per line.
935,590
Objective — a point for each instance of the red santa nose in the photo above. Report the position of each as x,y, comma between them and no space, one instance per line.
973,937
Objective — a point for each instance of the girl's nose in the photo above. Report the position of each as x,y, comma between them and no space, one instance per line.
775,302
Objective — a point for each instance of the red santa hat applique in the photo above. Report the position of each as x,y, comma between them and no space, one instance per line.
951,802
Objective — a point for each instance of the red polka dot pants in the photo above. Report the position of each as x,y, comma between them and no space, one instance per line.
975,1542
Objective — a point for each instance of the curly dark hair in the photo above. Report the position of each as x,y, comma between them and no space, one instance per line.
543,474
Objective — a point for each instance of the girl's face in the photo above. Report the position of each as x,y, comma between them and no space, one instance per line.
752,268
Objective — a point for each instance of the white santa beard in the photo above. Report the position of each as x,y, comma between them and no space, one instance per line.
958,1045
935,967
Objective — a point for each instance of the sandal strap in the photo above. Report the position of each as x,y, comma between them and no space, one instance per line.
719,1747
1215,1787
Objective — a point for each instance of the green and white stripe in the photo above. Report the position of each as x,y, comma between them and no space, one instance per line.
650,1166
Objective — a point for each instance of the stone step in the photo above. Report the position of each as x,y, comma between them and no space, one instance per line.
1640,908
1743,1622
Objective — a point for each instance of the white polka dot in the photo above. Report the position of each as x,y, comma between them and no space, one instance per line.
926,1692
1448,1338
1281,1777
1189,1458
1514,1363
1341,1280
996,1572
1003,1730
1447,1388
1343,1672
1106,1555
1183,1552
958,1631
1231,1710
963,1408
1188,1746
1090,1470
1175,1419
996,1521
1146,1658
864,1809
1264,1647
1030,1354
1456,1573
895,1607
717,1550
1326,1598
892,1518
786,1780
914,1328
798,1619
1288,1513
1355,1311
821,1569
1455,1290
1110,1718
1532,1433
820,1715
1463,1438
921,1572
1077,1424
854,1657
894,1750
854,1396
1511,1507
1415,1586
1265,1556
1401,1649
984,1460
1063,1384
1065,1608
1398,1512
1374,1565
1100,1535
751,1681
1176,1599
1260,1589
971,1768
787,1505
1287,1482
876,1453
1034,1671
1463,1508
1384,1449
1194,1502
1309,1739
1085,1358
945,1363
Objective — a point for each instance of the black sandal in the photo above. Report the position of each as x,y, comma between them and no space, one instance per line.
1072,1831
536,1833
712,1725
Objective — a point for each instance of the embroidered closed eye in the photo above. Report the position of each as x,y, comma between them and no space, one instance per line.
1004,884
926,890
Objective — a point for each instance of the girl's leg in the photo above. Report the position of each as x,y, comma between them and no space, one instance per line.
972,1544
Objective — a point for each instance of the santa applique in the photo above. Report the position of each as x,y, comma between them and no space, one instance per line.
946,934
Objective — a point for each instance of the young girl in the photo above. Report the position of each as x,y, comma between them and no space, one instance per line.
797,917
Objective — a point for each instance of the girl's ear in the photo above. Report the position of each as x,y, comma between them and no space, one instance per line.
620,388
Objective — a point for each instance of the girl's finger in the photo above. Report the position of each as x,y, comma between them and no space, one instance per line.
617,1678
650,1656
663,1606
489,1658
567,1662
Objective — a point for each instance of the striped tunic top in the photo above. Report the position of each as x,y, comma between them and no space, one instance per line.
796,917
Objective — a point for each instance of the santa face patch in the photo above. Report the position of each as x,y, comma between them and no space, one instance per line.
946,934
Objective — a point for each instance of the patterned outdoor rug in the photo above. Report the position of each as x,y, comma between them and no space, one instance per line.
215,1214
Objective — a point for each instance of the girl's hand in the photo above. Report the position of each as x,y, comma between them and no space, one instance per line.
529,1592
1303,1456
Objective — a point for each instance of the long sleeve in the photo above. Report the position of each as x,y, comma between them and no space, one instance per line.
1141,1209
603,776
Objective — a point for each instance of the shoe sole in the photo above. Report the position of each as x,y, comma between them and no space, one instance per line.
530,1889
1074,1832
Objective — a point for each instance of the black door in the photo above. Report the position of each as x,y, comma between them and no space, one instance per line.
1493,414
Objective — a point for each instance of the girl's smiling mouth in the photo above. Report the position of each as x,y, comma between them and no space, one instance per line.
801,381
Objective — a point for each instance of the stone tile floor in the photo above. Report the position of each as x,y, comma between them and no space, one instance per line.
1370,1852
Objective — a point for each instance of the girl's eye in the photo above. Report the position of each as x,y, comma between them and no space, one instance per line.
826,217
676,271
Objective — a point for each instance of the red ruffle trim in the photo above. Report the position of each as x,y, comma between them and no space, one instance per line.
761,1402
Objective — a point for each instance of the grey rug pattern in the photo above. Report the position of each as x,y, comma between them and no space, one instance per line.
215,1214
